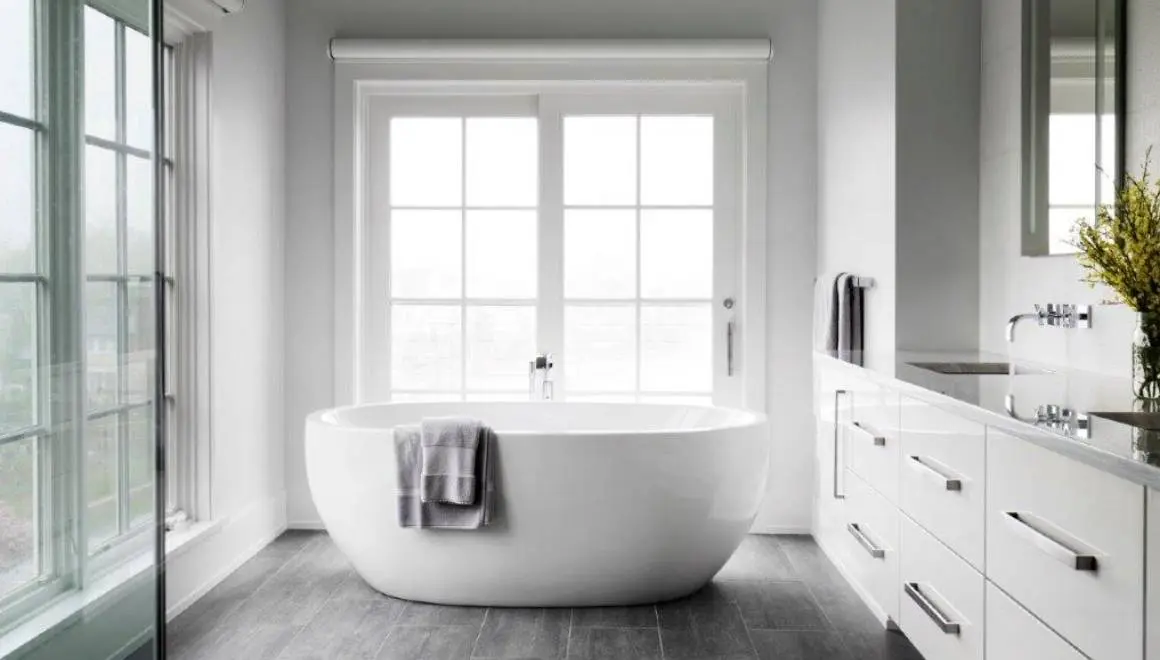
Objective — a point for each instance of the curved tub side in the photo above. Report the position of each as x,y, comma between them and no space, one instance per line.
582,520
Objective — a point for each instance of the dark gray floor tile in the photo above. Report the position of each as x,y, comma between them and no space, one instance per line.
777,606
510,633
294,594
641,616
808,561
429,643
614,644
350,625
799,645
427,614
702,626
195,623
880,645
759,557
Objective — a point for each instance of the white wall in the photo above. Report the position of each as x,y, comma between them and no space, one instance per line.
309,251
1010,283
937,234
248,196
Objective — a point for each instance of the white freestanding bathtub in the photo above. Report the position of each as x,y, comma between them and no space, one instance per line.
599,504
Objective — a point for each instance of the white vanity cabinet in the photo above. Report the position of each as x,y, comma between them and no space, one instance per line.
1066,540
977,544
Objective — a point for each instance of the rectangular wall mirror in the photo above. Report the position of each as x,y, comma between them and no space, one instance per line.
1073,116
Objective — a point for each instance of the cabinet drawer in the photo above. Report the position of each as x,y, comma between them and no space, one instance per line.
1066,541
941,600
942,478
871,529
1014,634
871,436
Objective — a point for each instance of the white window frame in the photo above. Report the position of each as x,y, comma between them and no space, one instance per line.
366,70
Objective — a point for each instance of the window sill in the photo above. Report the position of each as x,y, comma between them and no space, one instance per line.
70,607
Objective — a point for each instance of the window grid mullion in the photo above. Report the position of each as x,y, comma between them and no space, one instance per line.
122,417
463,258
637,300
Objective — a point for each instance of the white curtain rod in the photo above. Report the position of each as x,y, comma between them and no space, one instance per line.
419,50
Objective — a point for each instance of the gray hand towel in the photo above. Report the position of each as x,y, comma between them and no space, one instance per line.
449,445
414,512
834,326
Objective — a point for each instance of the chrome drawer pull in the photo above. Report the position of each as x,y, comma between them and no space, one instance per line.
860,429
944,624
856,531
837,402
924,466
1049,545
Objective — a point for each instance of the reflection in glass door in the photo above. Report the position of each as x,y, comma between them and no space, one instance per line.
78,368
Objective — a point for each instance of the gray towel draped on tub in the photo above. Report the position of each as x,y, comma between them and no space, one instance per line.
448,446
415,512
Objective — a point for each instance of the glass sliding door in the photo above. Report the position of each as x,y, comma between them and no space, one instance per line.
78,337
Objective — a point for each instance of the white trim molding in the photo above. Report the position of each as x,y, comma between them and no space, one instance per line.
532,50
393,68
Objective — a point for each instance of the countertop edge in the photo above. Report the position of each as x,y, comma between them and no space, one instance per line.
1136,472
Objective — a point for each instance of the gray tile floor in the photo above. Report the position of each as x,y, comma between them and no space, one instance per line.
777,598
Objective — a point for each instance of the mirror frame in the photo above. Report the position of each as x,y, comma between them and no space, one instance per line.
1034,236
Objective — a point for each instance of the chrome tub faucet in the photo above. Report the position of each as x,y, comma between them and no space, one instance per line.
1053,314
540,385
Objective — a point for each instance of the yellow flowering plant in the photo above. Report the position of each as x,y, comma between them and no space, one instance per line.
1120,249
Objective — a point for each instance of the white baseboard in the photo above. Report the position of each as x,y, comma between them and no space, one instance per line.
312,525
787,530
249,530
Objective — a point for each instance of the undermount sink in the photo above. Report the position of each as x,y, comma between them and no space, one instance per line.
979,368
1141,420
966,368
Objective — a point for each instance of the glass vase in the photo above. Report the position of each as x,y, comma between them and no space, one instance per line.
1146,362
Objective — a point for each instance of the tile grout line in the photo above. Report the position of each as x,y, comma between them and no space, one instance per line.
660,638
317,611
568,641
479,635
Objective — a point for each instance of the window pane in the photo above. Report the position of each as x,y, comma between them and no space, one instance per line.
600,161
100,211
16,54
139,212
426,347
140,465
500,341
599,253
18,357
100,75
425,254
101,344
676,253
1072,160
501,254
140,341
426,161
17,192
600,348
138,89
502,161
424,397
676,348
101,480
676,160
18,562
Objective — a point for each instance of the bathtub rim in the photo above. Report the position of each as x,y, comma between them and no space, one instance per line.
744,418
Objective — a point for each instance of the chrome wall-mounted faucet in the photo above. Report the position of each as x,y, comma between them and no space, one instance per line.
540,385
1057,418
1053,314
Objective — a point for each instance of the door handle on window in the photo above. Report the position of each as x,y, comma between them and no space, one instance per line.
924,467
837,428
1022,525
944,624
856,531
859,429
729,348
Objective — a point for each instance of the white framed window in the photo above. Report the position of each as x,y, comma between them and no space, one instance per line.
603,220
